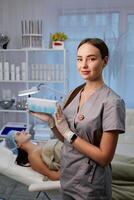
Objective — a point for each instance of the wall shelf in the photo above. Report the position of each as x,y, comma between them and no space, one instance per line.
35,66
12,111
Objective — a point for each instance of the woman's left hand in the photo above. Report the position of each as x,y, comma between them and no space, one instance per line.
61,122
55,175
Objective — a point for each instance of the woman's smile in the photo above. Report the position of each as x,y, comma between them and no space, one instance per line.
85,72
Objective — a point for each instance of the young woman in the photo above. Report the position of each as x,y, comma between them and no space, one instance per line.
30,153
89,125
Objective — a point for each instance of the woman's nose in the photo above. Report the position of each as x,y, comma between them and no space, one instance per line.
84,63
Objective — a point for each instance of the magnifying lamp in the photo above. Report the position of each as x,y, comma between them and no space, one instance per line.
38,104
28,92
36,89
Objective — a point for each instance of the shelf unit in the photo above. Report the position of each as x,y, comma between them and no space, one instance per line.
31,67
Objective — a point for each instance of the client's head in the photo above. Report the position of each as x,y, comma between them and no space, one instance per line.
15,141
10,141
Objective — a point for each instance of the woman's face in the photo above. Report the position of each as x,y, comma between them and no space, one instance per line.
90,63
22,137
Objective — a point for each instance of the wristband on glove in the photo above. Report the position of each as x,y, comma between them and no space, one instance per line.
51,123
70,136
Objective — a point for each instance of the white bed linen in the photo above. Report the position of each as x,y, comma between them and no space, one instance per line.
25,175
35,180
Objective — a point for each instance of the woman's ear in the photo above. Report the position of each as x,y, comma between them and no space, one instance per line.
105,60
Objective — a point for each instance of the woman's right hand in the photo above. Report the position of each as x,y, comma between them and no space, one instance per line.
44,117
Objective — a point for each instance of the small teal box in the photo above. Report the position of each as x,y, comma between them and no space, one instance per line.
41,105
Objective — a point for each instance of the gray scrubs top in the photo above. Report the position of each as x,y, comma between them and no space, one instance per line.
81,177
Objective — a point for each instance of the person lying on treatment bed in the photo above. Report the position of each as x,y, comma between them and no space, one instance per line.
43,159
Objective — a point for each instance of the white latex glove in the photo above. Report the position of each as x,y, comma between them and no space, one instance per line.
62,124
45,117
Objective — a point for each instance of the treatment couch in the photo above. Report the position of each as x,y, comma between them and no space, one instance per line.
25,175
123,162
122,165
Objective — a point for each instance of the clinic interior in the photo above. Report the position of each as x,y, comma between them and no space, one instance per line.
27,51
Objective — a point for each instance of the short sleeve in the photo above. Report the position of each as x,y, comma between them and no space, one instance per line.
65,98
114,116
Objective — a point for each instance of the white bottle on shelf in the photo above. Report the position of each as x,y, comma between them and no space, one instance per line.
36,72
23,71
61,69
44,71
32,72
12,68
17,73
6,71
57,72
52,72
1,72
49,73
41,72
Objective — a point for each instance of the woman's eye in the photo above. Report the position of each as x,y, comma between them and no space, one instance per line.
79,59
92,59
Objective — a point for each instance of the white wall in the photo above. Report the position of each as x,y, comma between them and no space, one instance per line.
13,11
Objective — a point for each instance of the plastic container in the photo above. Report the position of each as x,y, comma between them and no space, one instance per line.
41,105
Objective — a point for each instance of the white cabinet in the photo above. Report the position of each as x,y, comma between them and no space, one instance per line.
22,69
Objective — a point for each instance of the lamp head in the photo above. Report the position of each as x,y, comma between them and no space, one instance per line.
36,89
28,92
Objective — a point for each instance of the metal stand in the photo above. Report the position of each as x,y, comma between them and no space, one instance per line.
45,193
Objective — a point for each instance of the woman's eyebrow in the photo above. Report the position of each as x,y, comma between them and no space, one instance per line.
90,55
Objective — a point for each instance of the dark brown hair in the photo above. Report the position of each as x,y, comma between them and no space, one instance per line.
101,45
22,158
98,43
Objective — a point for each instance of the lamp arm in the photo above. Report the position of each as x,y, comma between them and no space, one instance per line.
38,86
54,90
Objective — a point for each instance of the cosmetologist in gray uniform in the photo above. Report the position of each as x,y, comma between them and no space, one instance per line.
81,177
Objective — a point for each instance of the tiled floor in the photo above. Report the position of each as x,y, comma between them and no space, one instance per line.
12,190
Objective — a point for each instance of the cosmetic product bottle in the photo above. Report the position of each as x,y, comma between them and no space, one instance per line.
61,72
12,68
49,72
53,72
23,71
44,72
32,72
1,72
6,71
17,73
36,72
41,72
57,72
